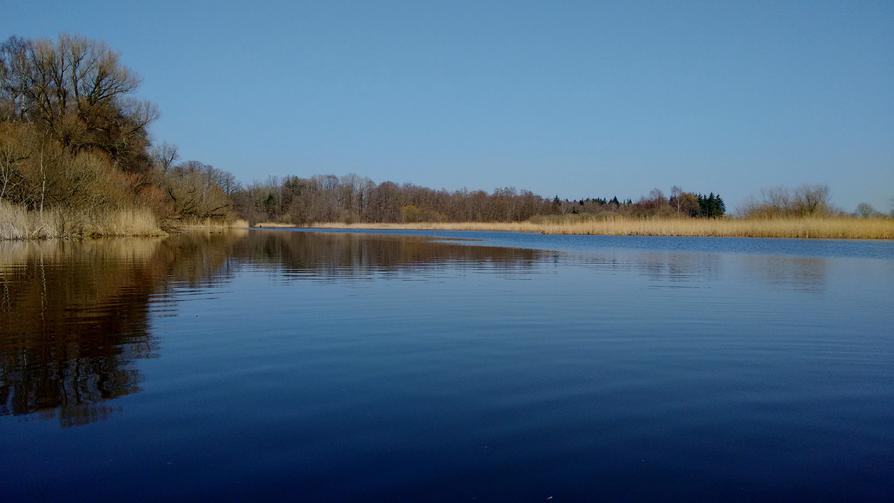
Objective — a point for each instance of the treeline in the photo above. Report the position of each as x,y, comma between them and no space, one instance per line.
358,199
680,203
353,199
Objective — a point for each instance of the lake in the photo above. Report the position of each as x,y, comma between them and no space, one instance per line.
446,366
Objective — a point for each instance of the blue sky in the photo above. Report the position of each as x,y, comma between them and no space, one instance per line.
568,98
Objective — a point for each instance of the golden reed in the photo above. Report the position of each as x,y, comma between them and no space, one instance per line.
808,228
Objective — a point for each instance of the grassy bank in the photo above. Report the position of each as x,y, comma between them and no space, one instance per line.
819,228
18,223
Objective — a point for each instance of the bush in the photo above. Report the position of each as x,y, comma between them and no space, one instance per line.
804,201
413,214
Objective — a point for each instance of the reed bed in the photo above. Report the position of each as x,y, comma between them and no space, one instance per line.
805,228
19,223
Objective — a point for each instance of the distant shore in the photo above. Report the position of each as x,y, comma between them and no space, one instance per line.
805,228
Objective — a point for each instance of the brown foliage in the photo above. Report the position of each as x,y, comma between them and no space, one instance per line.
76,91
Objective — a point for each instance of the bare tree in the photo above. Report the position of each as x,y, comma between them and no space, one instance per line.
164,156
865,210
803,201
76,90
676,197
12,154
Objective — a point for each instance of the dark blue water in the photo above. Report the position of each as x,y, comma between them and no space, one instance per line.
446,366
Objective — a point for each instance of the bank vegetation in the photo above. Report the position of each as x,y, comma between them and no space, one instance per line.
802,212
76,158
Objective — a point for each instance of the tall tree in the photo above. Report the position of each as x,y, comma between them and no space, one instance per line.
79,94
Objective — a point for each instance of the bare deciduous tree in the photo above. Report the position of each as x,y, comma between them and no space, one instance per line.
77,91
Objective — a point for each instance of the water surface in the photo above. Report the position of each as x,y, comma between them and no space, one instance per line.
446,365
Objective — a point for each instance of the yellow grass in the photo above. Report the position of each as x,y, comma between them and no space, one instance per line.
18,223
825,228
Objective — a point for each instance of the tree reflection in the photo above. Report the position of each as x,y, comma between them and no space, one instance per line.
806,274
336,254
75,316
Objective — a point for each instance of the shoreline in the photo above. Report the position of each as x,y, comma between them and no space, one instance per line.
19,224
824,228
792,228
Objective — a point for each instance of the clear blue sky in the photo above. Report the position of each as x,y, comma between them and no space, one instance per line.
568,98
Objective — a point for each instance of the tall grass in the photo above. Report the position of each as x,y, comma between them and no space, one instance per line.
18,223
819,228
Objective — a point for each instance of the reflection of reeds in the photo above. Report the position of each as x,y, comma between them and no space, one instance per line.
123,250
273,225
212,225
828,228
18,223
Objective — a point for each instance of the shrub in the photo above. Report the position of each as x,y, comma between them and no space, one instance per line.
804,201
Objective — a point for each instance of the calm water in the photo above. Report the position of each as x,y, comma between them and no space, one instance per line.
452,366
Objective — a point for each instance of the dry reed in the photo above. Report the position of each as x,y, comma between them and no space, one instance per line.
812,228
19,223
